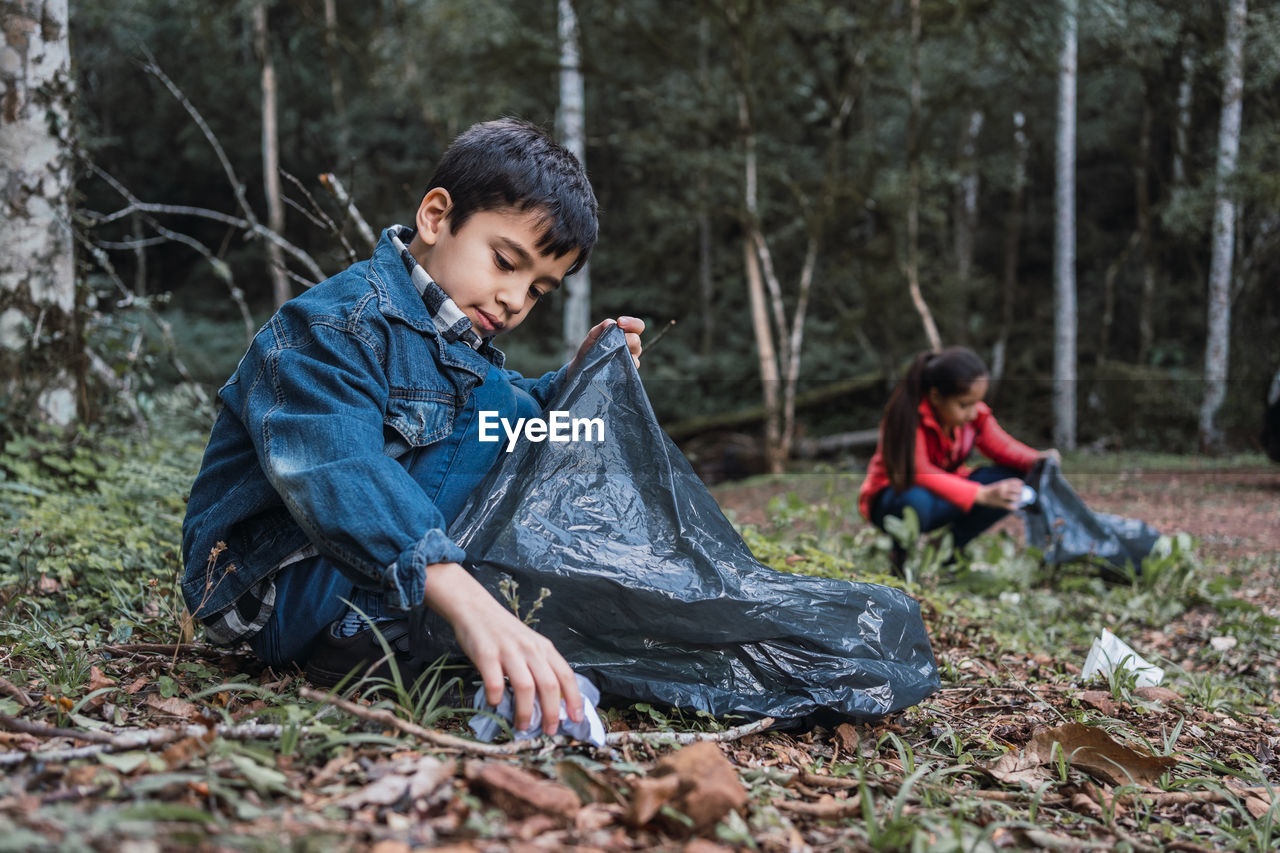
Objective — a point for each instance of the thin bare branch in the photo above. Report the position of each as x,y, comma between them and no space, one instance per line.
333,185
152,67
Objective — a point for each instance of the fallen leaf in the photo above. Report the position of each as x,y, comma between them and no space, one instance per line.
47,584
1099,700
137,684
1223,644
1158,694
173,706
648,796
1087,748
707,786
181,753
826,807
1256,807
390,846
847,739
518,791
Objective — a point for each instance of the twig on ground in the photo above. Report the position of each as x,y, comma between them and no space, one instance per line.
103,741
666,738
8,688
436,738
202,649
448,741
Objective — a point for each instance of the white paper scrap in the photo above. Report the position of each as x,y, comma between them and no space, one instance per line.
1109,652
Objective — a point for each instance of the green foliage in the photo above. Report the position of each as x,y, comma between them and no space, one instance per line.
92,530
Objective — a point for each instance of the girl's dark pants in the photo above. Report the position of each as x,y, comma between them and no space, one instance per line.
935,512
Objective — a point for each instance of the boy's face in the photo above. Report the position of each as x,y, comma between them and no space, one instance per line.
491,266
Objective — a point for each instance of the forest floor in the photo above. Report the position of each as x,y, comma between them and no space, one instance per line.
148,746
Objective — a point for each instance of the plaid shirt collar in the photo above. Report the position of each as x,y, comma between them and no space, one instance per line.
449,320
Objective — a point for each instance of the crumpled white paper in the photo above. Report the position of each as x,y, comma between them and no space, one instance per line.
591,729
1109,652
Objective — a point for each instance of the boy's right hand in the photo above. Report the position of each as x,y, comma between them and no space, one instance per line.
1003,494
503,649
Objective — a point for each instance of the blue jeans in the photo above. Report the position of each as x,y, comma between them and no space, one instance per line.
935,512
309,597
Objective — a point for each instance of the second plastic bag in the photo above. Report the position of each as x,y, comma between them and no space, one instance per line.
1061,524
652,593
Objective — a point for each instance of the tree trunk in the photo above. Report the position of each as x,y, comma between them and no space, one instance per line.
1142,180
765,350
41,351
913,188
571,121
336,91
1182,124
271,153
1218,344
706,282
966,201
1064,244
1012,238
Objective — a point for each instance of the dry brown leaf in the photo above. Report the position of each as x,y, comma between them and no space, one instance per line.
596,816
1158,694
390,846
48,584
847,739
137,684
173,706
826,807
1085,747
702,845
648,796
1099,700
520,792
181,753
1256,807
708,785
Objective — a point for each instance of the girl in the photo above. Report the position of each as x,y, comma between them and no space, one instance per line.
934,418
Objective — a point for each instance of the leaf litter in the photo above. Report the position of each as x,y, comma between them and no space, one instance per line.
207,747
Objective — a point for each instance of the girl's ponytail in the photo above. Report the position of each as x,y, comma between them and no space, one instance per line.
951,371
898,429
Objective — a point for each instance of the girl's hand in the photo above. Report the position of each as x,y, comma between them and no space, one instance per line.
1051,453
1002,495
632,326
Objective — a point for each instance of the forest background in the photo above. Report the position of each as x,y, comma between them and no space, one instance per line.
829,157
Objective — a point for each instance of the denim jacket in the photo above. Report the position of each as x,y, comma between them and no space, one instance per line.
350,425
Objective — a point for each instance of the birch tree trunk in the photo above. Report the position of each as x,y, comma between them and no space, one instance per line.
41,353
1012,238
280,289
1142,180
1182,124
1218,343
331,54
765,350
966,202
913,188
571,121
1064,242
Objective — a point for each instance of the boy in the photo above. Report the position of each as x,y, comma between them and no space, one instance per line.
348,438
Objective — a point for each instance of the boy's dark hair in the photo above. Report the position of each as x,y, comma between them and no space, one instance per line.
951,371
513,163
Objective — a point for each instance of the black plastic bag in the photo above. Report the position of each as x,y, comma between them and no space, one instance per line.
1060,523
655,597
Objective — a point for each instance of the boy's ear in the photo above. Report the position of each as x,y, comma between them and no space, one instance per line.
432,215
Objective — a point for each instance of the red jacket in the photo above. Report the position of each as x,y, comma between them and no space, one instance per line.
940,458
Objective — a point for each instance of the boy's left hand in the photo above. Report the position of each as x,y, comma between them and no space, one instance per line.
1051,453
632,326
